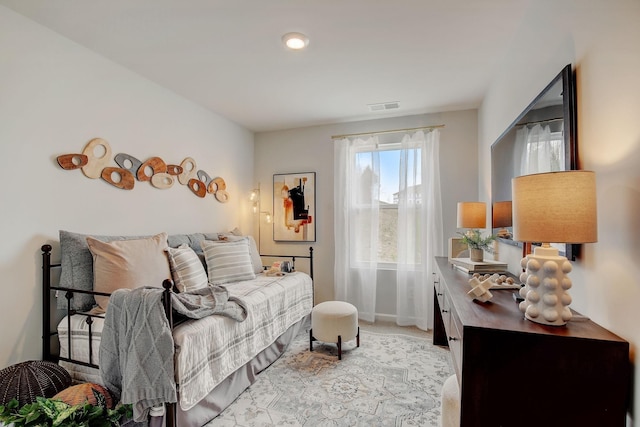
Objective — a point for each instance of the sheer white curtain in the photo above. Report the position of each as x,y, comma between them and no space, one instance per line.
419,228
419,225
544,149
356,217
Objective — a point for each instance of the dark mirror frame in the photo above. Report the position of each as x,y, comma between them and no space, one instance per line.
503,169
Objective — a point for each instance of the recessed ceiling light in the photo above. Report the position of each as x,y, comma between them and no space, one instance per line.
295,41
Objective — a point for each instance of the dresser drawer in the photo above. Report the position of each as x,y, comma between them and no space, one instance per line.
455,331
439,287
445,310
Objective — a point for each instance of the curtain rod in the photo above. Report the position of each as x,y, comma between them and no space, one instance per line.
540,121
386,131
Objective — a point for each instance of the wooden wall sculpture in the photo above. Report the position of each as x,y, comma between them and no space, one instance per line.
96,155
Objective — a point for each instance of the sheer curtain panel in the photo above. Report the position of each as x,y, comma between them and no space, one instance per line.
356,205
420,234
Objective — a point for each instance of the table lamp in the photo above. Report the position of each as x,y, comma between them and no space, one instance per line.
473,215
501,218
554,207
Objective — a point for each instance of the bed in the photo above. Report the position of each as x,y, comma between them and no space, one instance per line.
215,358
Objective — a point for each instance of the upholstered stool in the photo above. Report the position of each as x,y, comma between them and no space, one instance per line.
334,321
450,403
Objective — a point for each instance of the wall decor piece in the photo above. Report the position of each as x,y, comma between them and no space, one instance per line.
197,187
218,187
204,177
162,180
174,170
72,161
118,177
294,207
151,167
130,163
188,166
94,162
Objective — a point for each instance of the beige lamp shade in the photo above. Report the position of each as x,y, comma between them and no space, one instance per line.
502,214
555,207
472,215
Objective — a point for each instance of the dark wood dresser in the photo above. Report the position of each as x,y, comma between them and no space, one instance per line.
514,372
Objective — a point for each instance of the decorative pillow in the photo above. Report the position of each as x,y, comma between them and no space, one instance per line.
85,392
77,267
128,264
228,261
256,261
187,269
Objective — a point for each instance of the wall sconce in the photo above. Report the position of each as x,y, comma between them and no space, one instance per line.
554,207
501,218
254,198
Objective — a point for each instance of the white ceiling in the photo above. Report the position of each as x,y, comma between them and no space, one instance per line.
227,55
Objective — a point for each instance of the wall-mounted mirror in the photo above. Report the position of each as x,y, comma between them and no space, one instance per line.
541,139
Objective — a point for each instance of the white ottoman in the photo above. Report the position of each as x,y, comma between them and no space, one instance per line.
334,321
450,403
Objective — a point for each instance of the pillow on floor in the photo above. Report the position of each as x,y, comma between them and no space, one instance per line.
186,269
228,261
128,264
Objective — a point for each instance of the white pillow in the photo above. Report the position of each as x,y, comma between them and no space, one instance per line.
227,261
256,261
128,264
187,269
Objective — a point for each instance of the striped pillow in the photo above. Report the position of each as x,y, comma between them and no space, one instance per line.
227,261
186,269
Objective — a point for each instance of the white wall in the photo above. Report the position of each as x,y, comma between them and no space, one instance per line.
600,38
54,97
311,150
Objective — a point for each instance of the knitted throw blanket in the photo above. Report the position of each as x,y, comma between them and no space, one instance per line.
136,351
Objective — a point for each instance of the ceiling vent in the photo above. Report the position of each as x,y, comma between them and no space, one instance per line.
384,106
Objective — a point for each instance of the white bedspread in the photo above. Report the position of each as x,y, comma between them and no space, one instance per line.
209,349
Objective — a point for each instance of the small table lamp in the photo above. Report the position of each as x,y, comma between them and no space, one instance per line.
501,218
473,215
557,207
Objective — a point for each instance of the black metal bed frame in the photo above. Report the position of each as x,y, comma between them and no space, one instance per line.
48,334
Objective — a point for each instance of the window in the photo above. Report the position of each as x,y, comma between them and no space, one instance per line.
380,188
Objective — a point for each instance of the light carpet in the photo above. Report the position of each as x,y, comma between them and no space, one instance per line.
390,380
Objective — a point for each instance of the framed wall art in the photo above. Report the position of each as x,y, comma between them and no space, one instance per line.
294,207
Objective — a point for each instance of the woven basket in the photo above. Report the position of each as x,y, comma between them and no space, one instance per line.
27,380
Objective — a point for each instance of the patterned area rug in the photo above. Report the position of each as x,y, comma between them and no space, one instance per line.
390,380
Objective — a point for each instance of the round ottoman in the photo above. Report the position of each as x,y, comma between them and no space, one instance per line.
27,380
450,403
335,322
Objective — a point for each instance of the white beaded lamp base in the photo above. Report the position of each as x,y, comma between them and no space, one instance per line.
546,299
